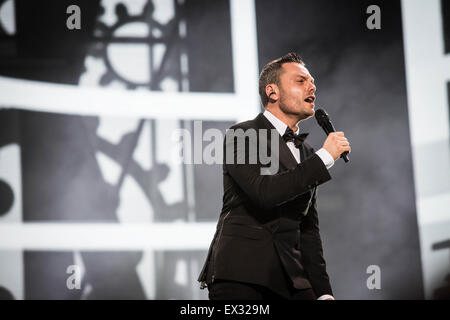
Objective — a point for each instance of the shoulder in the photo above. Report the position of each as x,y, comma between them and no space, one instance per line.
245,125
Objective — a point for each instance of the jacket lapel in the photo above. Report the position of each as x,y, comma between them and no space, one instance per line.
285,155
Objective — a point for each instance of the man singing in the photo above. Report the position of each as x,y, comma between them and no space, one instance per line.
267,243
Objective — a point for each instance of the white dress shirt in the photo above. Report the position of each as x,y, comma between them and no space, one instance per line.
322,153
281,128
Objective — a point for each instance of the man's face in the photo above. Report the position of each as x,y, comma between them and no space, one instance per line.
297,91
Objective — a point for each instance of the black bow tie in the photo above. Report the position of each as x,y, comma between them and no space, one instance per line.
289,135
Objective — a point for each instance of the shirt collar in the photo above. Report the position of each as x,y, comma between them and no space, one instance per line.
278,124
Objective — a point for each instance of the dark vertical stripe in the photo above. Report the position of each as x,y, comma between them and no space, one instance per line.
445,5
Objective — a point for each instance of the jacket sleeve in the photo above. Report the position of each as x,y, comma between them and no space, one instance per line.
312,252
269,191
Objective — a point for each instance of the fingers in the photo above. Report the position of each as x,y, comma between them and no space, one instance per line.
345,144
340,138
338,135
336,144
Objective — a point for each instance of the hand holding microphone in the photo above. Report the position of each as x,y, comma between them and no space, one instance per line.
336,143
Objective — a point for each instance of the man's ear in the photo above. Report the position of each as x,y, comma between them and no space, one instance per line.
272,92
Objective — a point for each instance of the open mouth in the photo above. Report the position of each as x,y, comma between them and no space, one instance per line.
310,99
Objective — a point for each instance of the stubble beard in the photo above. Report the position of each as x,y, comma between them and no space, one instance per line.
300,115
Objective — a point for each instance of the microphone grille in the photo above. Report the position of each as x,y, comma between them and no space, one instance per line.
321,116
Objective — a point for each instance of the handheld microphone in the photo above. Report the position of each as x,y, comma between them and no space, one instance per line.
324,121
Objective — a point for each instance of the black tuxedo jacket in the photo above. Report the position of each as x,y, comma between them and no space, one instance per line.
268,229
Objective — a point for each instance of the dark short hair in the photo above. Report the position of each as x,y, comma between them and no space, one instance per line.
271,73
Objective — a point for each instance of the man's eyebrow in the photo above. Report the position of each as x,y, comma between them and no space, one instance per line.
305,78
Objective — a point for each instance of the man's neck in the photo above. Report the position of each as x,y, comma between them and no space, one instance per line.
289,120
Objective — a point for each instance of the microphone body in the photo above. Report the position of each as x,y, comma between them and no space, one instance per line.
324,121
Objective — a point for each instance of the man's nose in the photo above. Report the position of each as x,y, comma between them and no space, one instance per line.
312,87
